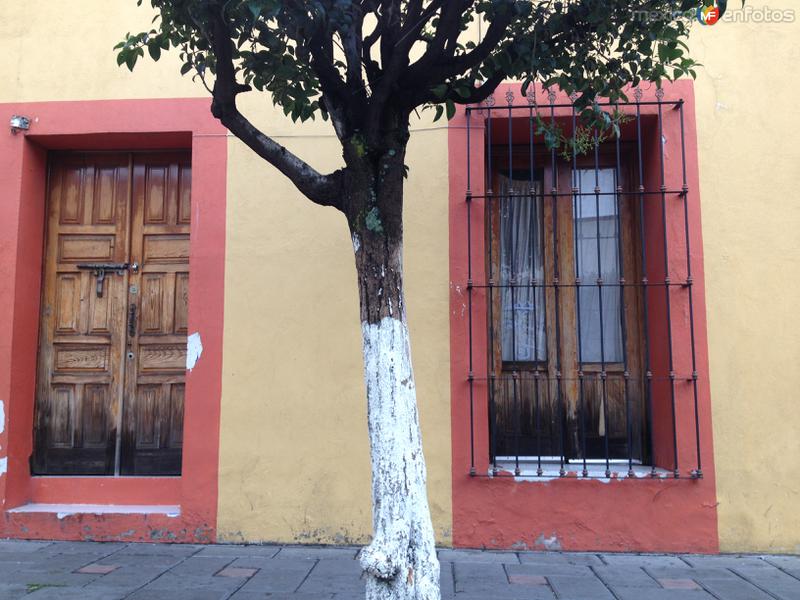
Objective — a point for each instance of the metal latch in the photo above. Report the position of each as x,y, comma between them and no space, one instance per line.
99,270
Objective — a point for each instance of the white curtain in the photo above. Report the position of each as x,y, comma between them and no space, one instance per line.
596,216
521,258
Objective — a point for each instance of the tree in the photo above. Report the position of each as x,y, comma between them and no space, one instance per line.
368,65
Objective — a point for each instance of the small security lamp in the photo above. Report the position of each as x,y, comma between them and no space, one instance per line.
19,123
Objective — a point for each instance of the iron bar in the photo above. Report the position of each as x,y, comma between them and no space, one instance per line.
555,105
469,301
600,297
667,295
492,411
645,286
535,242
622,303
690,289
570,194
554,189
576,211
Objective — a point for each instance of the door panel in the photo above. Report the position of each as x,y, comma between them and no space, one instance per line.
153,423
113,349
82,333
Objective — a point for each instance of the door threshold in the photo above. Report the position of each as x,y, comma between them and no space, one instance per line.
66,510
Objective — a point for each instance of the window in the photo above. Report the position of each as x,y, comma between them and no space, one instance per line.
572,271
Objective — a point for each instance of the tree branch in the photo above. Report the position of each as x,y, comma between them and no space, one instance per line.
321,189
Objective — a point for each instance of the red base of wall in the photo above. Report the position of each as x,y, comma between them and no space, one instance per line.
106,528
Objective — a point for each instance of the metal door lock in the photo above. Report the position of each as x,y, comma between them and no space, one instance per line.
100,270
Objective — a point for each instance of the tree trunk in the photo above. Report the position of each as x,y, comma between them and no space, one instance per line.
400,563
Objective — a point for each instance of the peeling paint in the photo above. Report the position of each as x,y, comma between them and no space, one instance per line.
2,417
551,543
194,349
3,466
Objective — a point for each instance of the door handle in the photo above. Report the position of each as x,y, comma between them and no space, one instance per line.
131,322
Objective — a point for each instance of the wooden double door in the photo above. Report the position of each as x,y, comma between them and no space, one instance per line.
112,341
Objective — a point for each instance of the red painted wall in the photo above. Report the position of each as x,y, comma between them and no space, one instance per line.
100,125
573,514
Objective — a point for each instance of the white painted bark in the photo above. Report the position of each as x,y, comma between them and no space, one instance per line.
401,562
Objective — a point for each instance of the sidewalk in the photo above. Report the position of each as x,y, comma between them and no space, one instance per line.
113,571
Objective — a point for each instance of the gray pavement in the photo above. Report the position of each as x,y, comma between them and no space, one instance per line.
116,571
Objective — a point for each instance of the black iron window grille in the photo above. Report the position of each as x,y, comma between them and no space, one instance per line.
579,264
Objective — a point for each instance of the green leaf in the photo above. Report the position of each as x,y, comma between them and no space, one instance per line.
451,109
154,50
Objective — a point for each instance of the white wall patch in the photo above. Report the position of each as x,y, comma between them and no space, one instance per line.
3,466
2,417
194,349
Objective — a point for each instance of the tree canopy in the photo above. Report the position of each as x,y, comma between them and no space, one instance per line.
368,64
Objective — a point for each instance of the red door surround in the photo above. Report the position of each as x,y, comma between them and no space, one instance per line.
147,508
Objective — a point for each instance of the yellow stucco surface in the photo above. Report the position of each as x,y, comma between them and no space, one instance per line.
293,449
750,173
294,455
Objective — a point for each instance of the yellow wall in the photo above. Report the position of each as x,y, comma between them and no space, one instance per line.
750,173
294,455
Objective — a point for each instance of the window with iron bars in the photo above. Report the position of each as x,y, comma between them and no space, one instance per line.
578,264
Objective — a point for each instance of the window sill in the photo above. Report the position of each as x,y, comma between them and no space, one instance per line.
595,470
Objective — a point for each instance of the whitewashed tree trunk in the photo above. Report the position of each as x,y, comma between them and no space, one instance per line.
400,563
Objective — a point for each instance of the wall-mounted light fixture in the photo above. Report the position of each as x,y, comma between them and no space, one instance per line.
19,123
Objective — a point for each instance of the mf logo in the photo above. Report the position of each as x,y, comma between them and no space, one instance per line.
710,11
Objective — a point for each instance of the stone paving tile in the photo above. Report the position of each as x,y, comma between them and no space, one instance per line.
275,576
578,588
527,580
62,578
21,546
516,593
625,577
634,593
679,584
784,562
179,594
168,582
789,564
240,550
73,548
725,561
734,589
239,572
340,575
72,593
476,577
148,549
478,556
772,580
560,558
550,570
642,560
698,574
446,583
140,561
203,565
315,553
12,591
97,569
